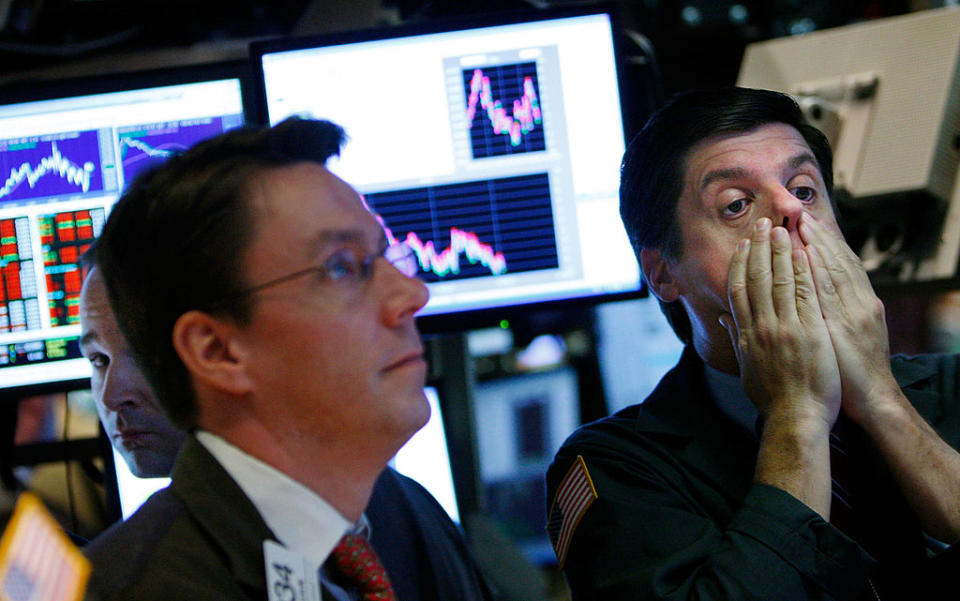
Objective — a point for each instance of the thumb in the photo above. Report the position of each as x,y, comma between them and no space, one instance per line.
727,321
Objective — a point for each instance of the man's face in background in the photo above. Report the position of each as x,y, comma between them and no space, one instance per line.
126,403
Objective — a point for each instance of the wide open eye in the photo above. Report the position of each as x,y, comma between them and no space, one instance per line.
804,193
736,207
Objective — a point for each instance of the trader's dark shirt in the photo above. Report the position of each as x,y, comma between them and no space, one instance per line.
678,515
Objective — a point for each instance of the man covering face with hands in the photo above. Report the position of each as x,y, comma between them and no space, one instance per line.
786,456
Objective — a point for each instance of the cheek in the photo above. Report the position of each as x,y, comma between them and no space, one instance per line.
96,384
710,264
824,212
96,387
333,352
716,278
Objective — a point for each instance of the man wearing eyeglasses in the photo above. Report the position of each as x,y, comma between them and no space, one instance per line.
276,324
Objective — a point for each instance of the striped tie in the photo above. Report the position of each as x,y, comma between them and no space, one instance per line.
359,564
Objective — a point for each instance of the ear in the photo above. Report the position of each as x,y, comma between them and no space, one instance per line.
656,272
206,347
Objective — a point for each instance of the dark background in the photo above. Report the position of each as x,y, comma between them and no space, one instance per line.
698,42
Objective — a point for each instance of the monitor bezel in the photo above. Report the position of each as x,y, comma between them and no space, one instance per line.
37,90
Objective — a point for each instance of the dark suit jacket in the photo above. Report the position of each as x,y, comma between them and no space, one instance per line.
202,539
679,517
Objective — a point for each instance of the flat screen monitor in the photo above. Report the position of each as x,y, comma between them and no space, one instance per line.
425,458
885,92
492,148
67,150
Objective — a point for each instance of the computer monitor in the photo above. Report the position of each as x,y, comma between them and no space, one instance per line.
521,422
67,149
425,458
492,147
885,92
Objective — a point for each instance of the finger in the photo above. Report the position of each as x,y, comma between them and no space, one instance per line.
759,274
784,288
808,305
829,301
836,254
737,286
727,321
833,261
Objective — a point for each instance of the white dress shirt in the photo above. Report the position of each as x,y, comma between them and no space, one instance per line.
302,520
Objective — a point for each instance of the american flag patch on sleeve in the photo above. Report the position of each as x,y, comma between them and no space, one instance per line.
571,501
37,560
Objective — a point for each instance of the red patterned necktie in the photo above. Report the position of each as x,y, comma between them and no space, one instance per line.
358,562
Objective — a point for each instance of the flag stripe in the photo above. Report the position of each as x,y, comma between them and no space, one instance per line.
571,501
37,561
581,505
578,497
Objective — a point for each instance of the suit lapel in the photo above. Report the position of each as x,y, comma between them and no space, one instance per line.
223,512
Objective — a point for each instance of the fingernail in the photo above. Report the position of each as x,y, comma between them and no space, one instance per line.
763,224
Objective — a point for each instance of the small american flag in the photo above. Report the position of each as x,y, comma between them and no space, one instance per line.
571,501
37,560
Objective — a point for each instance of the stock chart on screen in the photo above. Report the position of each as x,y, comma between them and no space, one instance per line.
64,160
493,150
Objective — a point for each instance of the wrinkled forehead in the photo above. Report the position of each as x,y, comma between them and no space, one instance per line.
767,142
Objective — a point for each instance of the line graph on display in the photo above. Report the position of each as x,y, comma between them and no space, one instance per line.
483,228
40,167
447,261
495,131
145,146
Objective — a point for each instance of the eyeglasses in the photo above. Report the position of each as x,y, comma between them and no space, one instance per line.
349,265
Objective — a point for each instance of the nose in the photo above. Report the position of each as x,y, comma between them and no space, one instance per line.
786,211
115,390
787,208
401,295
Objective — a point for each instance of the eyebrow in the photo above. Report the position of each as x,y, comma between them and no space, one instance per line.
327,237
794,162
87,338
802,159
721,174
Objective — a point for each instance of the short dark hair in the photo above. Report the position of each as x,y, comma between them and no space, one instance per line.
654,164
88,259
175,240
